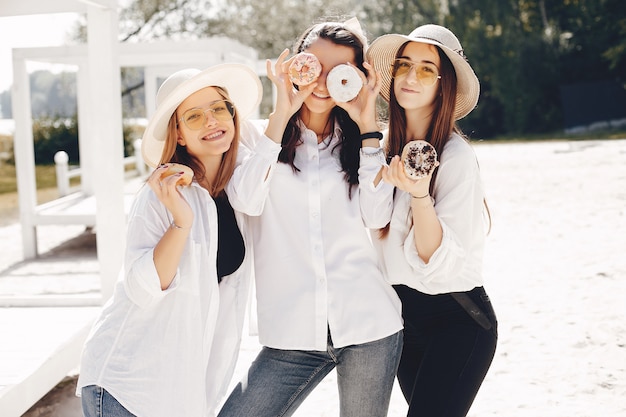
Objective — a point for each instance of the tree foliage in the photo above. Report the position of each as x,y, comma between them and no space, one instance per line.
523,51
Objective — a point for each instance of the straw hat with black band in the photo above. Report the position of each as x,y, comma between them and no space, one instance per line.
240,81
382,52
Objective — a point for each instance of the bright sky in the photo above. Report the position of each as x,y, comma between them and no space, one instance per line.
31,31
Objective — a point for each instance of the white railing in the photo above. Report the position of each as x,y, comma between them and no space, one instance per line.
65,174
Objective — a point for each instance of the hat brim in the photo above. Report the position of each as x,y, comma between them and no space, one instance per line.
382,52
243,86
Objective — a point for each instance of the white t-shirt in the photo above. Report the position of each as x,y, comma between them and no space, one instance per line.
315,267
457,264
173,352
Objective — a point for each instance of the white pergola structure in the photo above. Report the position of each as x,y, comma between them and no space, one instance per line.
99,116
103,82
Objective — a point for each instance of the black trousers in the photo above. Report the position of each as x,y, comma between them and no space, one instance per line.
446,353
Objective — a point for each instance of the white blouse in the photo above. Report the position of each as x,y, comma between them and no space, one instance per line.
315,267
457,264
173,352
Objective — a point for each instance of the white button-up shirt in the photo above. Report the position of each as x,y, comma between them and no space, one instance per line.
170,353
457,264
315,267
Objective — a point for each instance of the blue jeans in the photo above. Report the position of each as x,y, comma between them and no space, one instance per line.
278,381
97,402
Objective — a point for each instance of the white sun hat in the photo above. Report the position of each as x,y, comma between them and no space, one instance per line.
243,86
382,52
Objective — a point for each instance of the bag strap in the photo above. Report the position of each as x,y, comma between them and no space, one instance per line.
472,309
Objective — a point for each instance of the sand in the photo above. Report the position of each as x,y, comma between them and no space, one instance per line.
556,272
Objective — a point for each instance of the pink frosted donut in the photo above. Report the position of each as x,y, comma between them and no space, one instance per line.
304,69
419,159
343,83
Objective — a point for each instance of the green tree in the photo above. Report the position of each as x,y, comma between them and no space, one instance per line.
523,51
400,16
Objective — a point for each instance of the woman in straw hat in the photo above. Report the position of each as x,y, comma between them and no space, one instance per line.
432,249
166,342
323,303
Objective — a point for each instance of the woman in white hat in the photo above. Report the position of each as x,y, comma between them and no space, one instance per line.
322,301
166,342
432,249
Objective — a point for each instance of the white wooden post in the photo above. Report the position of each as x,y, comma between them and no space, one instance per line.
139,162
107,141
61,160
24,150
85,127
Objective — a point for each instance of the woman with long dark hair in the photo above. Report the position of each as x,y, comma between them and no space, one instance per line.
432,248
322,301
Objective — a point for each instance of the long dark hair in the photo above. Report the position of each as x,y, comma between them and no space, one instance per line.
349,144
442,123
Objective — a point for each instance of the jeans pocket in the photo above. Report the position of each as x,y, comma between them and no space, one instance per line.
91,400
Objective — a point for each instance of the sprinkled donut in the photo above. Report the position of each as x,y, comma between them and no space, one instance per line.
419,159
343,83
304,69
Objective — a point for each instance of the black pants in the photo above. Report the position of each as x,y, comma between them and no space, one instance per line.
446,354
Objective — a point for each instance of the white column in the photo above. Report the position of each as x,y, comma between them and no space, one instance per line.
85,102
24,151
107,142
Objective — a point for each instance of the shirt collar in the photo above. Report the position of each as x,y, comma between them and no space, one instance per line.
337,131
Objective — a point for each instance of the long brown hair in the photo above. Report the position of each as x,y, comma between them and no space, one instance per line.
173,152
349,152
440,128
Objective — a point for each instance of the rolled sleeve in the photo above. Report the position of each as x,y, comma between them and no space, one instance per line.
142,282
447,261
456,265
376,199
257,157
149,221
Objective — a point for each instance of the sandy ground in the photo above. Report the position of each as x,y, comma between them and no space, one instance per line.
556,273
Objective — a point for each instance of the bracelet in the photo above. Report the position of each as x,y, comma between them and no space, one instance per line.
175,226
420,197
376,154
372,135
422,202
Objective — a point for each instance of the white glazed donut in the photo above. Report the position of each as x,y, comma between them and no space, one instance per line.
419,159
343,83
304,69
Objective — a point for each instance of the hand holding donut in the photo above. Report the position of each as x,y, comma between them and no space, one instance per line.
304,69
164,181
362,109
395,175
288,99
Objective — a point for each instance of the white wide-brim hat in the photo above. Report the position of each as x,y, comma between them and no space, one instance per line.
382,52
243,86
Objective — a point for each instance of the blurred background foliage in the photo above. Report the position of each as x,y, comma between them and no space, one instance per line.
525,53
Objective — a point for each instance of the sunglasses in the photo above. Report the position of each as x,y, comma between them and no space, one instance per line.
427,74
195,119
